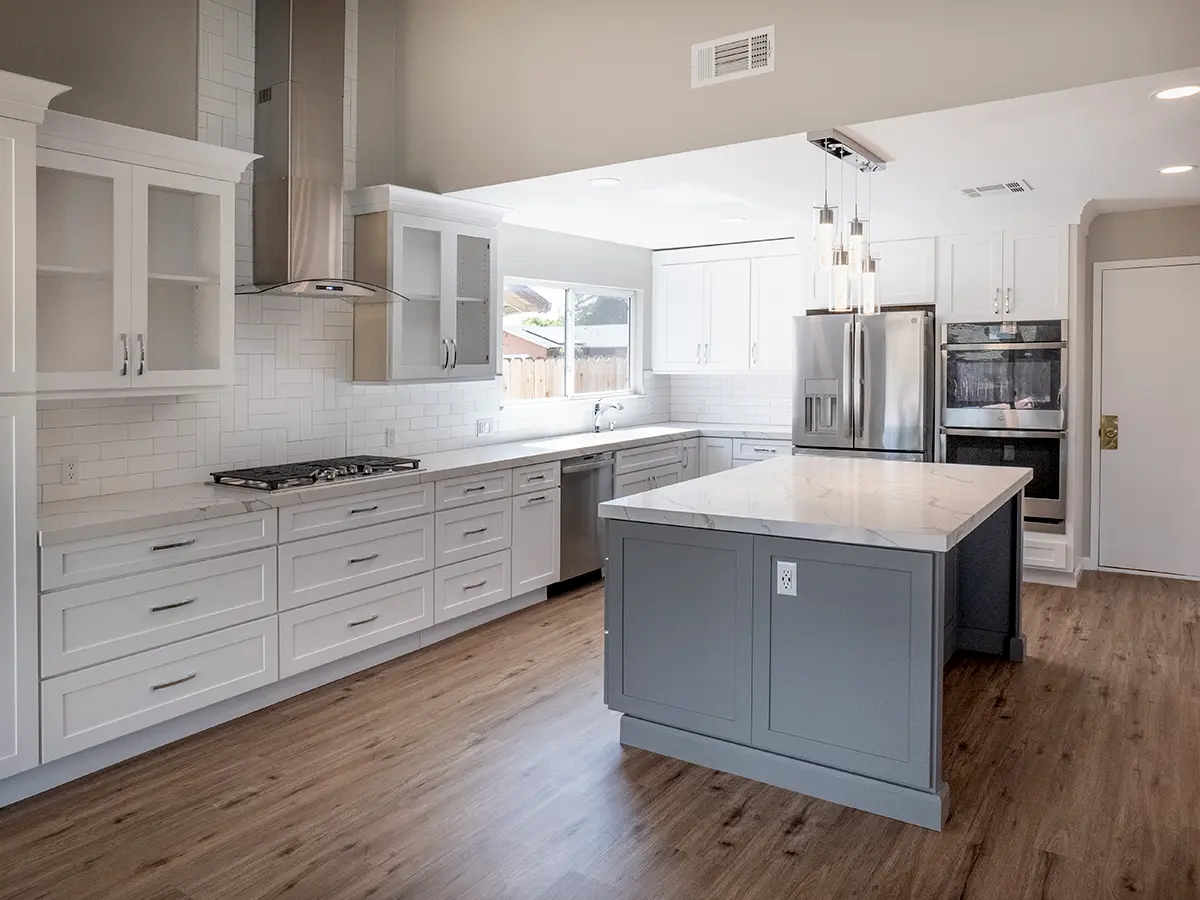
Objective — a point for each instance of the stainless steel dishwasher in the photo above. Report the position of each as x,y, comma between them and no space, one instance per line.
587,481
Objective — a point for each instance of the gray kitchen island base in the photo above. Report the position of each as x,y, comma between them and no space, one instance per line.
828,682
856,791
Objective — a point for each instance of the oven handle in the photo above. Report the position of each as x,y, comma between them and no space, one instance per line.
1003,345
1004,432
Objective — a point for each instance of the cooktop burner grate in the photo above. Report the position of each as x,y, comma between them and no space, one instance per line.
291,475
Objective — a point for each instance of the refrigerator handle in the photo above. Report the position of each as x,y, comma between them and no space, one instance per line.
860,357
847,378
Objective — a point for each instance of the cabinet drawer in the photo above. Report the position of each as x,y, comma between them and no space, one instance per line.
324,567
468,586
647,457
92,624
535,478
66,565
465,491
328,516
95,705
1045,553
461,534
535,540
332,629
756,450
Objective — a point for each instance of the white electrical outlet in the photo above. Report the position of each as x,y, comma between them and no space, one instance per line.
389,437
70,470
785,579
485,426
702,407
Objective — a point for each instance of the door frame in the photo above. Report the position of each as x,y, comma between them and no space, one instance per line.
1098,270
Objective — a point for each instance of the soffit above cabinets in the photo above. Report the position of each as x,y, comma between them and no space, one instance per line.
1102,143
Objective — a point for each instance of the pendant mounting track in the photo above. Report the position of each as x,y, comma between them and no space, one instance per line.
846,149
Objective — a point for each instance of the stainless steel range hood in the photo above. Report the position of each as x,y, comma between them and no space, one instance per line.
298,128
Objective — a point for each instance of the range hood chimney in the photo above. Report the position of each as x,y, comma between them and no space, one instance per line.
299,76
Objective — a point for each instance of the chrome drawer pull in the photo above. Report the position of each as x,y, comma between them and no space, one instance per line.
533,500
536,478
764,450
364,509
168,684
362,559
475,490
365,621
475,531
188,602
176,545
471,587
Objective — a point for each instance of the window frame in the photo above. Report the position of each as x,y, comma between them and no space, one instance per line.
636,337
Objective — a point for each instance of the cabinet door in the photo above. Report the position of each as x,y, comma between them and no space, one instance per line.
18,587
907,274
727,339
468,300
666,475
18,209
678,306
716,455
779,287
690,463
535,540
628,485
84,339
969,276
416,268
1035,273
182,280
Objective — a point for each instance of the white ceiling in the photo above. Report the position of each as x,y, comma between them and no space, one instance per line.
1102,142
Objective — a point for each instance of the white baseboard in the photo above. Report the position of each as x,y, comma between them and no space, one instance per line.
1051,577
60,771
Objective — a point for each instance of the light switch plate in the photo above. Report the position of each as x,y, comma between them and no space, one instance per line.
785,579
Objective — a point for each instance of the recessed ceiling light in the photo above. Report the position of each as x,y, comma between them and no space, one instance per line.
604,181
1177,93
1175,170
736,220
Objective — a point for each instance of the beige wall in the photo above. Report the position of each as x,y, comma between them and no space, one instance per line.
491,91
127,61
1143,234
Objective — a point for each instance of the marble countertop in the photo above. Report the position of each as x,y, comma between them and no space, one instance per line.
912,506
92,517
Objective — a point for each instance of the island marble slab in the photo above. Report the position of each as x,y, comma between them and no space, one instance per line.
869,502
92,517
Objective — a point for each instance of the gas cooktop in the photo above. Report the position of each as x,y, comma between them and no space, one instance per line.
318,471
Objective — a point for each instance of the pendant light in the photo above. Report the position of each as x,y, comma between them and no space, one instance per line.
839,294
868,302
825,228
856,235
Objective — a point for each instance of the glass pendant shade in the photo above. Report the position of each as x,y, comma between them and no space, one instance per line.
840,294
823,234
869,291
855,241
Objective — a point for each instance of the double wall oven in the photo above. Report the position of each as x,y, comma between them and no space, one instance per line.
1004,403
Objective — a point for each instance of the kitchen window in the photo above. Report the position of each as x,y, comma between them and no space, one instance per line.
566,340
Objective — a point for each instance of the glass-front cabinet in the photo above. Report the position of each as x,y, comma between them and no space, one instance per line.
134,262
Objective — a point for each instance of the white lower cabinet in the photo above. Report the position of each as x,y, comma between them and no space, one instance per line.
654,456
324,567
461,534
647,480
95,623
535,540
716,455
467,586
91,706
307,520
757,451
691,459
323,632
1046,551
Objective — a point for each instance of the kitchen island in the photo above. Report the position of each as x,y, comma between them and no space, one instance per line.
789,621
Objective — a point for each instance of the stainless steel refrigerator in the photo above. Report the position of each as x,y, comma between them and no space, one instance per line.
864,385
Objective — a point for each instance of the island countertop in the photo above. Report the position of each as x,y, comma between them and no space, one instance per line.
870,502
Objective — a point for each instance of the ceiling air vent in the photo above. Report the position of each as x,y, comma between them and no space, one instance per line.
1005,187
736,56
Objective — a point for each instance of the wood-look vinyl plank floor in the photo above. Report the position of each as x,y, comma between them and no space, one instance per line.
487,767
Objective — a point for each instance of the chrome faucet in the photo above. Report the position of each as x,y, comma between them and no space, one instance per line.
603,406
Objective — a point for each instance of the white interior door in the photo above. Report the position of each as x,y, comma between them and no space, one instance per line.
778,291
728,339
678,303
1150,485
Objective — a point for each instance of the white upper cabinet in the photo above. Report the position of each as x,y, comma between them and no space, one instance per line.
1019,275
678,311
780,290
907,271
135,259
23,103
727,343
439,253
